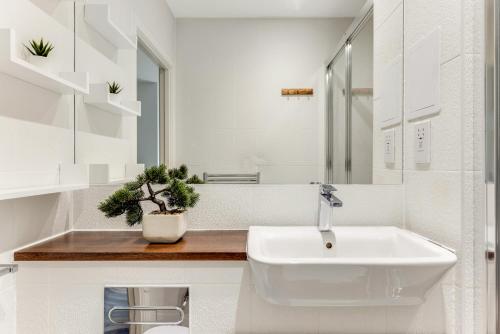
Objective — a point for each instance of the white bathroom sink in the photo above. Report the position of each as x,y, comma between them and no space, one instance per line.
364,266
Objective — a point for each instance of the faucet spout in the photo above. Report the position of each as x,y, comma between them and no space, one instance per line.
327,201
326,192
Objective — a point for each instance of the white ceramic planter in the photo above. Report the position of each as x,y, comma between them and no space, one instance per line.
164,228
39,61
115,98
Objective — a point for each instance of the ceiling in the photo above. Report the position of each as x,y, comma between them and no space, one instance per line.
264,8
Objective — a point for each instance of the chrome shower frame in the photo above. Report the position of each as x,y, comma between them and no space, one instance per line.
343,50
492,161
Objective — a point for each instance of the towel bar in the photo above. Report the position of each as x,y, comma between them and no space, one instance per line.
146,308
232,178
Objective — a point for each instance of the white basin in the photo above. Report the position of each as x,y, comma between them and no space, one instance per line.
365,266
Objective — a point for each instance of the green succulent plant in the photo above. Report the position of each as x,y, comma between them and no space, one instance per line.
39,48
177,193
114,88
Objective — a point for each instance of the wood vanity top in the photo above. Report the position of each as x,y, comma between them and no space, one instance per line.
130,246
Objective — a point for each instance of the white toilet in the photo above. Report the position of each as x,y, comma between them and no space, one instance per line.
168,330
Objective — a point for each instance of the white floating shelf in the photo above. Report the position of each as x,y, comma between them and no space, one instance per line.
100,98
11,64
100,174
98,17
42,190
71,177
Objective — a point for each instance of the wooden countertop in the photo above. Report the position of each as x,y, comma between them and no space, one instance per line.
130,246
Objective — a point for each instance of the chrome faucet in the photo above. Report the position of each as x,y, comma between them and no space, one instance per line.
327,201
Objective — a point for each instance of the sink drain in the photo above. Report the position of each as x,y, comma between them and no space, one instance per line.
329,245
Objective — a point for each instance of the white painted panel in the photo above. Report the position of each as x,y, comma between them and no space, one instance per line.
422,91
391,94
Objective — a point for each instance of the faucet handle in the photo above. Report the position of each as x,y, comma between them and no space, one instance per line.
327,188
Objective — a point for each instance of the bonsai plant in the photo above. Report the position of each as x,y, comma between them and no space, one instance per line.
114,89
168,223
39,51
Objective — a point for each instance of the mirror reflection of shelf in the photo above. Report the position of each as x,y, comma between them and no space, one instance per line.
105,174
101,98
11,64
98,17
70,178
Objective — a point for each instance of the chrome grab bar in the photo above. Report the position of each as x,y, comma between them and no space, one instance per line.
146,308
7,269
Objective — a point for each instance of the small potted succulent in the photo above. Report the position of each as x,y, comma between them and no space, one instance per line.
114,91
39,52
168,223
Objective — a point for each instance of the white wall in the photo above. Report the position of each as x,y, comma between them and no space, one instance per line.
240,206
36,126
440,197
230,115
36,134
222,299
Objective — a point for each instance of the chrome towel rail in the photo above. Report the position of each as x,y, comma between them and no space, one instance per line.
7,269
232,178
146,308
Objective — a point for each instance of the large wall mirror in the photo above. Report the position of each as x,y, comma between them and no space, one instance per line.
282,100
234,125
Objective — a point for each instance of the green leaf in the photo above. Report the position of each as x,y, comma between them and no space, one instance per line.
133,185
180,173
156,174
181,196
114,88
120,201
40,48
194,180
30,51
134,215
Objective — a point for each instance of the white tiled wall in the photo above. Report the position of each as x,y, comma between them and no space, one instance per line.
223,300
240,206
445,199
239,122
25,221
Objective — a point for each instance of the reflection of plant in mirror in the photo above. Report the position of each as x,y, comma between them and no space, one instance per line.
177,193
39,48
114,88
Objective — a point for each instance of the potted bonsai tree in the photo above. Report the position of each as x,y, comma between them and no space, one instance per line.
114,91
39,52
168,223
